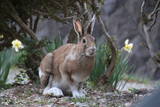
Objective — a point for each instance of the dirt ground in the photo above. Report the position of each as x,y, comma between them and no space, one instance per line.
30,96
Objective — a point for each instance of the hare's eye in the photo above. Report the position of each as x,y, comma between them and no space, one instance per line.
84,40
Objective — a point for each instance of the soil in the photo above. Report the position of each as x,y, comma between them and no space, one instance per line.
30,96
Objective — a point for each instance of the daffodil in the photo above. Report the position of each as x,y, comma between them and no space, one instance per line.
17,44
128,46
1,36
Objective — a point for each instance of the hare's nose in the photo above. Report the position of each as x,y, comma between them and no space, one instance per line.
93,49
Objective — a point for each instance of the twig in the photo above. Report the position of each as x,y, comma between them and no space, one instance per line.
55,17
154,10
31,22
142,7
35,24
158,9
111,67
57,3
146,29
154,21
148,40
155,13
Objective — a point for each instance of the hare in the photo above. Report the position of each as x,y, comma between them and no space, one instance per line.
66,67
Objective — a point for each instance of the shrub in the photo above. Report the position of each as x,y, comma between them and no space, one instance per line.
121,68
52,45
102,61
8,58
28,58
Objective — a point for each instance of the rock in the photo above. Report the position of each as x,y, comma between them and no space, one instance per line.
128,104
132,85
17,75
81,104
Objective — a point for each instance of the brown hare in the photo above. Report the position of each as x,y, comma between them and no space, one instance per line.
69,65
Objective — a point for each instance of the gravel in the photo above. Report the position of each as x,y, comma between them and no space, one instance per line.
30,96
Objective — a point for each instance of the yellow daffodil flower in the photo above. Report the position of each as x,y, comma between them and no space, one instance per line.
1,36
128,46
16,44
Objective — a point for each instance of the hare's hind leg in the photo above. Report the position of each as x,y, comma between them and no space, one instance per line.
53,91
76,93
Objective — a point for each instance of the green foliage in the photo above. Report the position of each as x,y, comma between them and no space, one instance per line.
32,56
102,61
120,70
133,90
8,58
32,53
17,22
52,45
20,13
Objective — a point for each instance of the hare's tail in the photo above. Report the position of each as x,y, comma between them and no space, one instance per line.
47,65
44,78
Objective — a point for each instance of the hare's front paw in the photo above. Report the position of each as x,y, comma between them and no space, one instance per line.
53,92
78,94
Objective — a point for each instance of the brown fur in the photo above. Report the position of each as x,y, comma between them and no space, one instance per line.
59,64
68,66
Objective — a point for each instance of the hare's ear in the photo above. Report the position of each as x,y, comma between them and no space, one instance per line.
78,28
91,25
